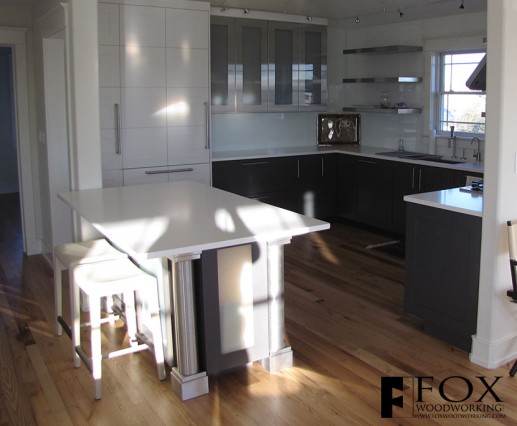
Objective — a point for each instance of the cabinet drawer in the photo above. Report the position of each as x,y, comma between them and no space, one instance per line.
197,172
256,176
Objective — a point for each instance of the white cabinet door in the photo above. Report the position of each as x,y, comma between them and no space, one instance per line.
187,28
197,172
144,147
143,66
143,107
112,178
187,67
187,145
142,26
109,66
109,25
145,176
186,106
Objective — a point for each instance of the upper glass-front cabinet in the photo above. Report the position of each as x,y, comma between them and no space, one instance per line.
283,66
313,67
222,61
239,64
260,66
251,56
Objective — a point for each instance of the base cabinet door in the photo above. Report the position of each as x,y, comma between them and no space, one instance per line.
443,252
317,185
232,298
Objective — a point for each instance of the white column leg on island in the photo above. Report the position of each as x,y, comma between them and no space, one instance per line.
187,381
280,354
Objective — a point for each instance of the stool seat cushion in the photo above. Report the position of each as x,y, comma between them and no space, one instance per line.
78,253
111,277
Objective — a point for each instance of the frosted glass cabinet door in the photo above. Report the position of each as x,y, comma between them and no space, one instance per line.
313,68
283,66
251,65
222,61
142,26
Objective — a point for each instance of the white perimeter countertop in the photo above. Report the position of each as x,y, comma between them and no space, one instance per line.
455,200
363,151
177,218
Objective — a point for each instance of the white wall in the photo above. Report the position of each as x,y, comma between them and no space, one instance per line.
385,130
496,339
15,16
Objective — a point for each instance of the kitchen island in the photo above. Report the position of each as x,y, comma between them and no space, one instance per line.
168,228
443,248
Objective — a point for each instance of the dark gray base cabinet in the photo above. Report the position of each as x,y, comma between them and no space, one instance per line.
304,184
366,190
442,266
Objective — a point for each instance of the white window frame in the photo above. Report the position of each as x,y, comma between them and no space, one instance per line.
440,92
432,50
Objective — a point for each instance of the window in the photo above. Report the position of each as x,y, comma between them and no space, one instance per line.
459,106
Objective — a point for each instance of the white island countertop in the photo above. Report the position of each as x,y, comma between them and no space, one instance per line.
176,218
455,200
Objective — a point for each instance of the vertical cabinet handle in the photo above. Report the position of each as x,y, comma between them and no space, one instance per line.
413,178
322,167
207,113
117,129
420,179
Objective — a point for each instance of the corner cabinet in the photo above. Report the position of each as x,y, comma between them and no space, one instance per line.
267,66
373,107
154,93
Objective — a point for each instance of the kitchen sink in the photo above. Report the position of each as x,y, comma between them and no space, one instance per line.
400,154
444,160
409,155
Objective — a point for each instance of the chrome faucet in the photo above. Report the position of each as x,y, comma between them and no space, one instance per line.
477,154
452,141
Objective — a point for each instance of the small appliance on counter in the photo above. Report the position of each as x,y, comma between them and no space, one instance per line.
475,186
339,129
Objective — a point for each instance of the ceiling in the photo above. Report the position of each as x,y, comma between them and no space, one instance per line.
340,9
351,8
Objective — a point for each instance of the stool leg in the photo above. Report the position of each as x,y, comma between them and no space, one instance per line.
75,301
157,335
96,343
513,370
129,302
109,309
58,294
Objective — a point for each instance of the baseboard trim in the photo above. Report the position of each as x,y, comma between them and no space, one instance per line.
493,354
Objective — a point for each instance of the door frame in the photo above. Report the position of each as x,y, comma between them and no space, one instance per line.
16,39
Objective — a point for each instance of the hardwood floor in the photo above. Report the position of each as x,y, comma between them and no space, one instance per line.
344,321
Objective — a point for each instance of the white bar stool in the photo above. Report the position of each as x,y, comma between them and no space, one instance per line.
102,279
66,257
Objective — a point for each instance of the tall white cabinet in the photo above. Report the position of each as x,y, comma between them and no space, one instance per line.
154,92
